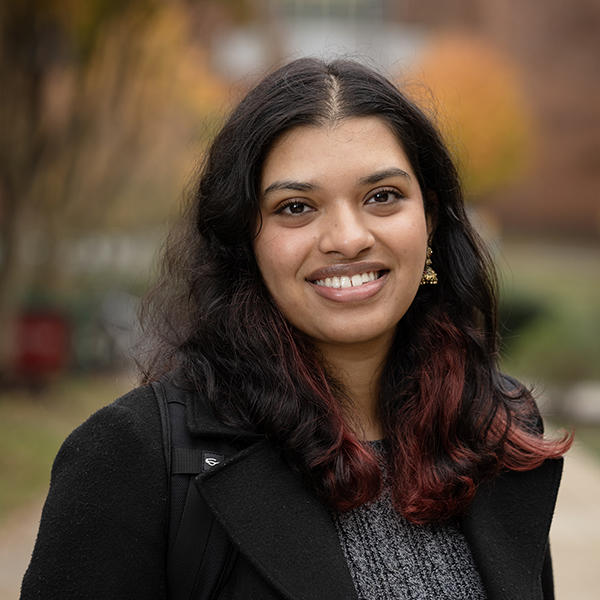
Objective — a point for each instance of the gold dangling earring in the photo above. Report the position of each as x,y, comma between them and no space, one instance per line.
429,275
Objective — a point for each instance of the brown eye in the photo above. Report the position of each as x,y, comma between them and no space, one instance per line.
381,196
384,197
294,207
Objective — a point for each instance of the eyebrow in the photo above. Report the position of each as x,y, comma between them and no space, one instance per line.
298,186
384,174
301,186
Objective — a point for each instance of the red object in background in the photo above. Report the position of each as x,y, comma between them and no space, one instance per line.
42,344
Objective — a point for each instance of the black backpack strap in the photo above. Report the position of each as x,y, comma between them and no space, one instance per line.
200,554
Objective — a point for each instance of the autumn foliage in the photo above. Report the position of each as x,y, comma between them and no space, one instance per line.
474,94
106,107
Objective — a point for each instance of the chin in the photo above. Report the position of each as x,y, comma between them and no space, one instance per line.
346,338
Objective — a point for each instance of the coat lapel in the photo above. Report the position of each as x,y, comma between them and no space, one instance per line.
507,529
285,532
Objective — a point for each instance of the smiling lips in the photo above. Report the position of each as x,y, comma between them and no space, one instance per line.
345,282
348,283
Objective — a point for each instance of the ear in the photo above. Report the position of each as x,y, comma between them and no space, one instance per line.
430,202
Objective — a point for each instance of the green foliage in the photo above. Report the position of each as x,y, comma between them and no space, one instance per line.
517,311
550,311
561,345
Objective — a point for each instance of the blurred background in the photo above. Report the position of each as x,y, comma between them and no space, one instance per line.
106,107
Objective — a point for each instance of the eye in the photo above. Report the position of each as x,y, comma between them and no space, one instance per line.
293,207
385,196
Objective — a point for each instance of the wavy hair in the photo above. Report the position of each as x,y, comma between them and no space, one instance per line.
450,419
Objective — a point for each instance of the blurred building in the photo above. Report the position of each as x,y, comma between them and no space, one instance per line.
361,29
556,45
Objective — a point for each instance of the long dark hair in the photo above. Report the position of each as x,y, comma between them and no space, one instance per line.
450,419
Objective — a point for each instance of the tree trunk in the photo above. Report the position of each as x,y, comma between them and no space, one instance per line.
13,271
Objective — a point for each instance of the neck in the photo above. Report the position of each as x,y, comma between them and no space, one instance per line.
358,368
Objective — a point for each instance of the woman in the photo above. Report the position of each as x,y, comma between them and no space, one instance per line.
333,312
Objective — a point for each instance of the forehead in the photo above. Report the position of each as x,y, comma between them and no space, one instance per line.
353,146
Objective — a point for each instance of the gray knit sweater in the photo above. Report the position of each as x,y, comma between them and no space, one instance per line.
390,558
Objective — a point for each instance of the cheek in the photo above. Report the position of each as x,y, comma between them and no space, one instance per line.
281,254
408,237
273,262
263,251
272,272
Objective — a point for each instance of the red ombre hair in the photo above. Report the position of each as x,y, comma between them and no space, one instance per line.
449,427
450,419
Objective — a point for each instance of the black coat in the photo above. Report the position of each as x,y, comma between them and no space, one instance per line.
104,526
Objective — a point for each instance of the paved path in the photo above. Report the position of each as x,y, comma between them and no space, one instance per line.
17,537
575,535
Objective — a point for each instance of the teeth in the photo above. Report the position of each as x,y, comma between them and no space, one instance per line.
346,282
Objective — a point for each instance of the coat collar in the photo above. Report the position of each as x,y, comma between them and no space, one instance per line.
282,529
201,420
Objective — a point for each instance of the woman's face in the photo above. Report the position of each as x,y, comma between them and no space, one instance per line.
344,232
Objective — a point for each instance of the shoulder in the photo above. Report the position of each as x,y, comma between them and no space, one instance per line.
104,522
117,452
126,432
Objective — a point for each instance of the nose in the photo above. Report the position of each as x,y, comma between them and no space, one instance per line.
345,232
